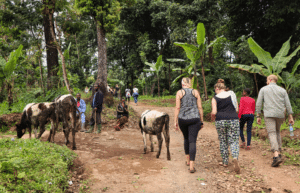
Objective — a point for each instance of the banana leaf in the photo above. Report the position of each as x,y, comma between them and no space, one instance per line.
263,56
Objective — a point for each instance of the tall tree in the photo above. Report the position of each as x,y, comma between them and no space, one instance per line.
106,15
52,53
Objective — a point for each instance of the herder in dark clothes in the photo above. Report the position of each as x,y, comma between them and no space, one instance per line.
97,108
122,115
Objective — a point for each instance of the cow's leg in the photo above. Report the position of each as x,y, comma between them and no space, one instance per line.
151,141
160,141
51,131
145,142
167,136
66,132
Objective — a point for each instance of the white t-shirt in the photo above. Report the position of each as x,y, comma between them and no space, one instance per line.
136,90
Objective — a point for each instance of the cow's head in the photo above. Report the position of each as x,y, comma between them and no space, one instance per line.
20,130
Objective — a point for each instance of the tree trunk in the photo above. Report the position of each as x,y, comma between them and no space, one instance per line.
52,54
41,74
256,84
203,75
195,75
102,55
58,46
169,78
152,88
158,86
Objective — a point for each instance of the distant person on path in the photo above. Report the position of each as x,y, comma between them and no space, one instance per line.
97,109
227,125
135,97
117,88
82,108
86,90
246,115
135,89
122,115
189,118
128,95
275,101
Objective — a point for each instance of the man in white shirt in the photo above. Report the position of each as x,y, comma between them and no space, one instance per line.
135,89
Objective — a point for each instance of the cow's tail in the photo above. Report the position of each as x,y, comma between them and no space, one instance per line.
74,110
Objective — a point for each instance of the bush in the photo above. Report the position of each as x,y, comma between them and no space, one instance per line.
34,166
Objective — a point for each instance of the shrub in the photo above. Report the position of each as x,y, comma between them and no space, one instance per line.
33,166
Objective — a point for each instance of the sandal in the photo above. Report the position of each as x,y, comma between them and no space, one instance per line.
193,170
247,148
243,145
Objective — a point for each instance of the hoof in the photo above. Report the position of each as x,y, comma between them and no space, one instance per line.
74,148
169,158
157,156
152,150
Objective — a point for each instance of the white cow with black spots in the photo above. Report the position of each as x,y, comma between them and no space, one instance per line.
153,122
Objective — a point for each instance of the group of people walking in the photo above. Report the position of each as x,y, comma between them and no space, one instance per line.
230,118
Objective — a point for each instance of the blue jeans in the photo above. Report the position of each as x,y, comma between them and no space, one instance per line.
135,99
247,118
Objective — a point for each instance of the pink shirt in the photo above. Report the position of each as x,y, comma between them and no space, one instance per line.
247,106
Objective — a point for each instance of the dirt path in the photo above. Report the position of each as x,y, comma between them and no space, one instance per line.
113,161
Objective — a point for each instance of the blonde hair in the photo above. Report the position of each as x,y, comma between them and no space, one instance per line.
186,81
272,77
222,81
220,86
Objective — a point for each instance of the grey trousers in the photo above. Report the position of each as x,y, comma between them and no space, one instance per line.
273,128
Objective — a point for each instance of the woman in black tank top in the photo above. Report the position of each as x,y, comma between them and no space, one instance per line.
189,118
227,125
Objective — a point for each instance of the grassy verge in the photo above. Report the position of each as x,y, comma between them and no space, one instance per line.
33,166
164,101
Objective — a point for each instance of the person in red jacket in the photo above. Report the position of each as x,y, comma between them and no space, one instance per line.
246,115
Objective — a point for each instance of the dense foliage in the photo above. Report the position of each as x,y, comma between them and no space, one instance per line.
115,41
34,166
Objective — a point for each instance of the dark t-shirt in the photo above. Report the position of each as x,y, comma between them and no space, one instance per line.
225,109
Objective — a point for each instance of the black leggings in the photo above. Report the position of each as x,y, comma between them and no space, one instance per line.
190,129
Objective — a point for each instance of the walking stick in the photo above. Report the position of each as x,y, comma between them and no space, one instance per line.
95,126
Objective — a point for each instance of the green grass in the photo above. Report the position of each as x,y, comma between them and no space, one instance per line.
163,101
33,166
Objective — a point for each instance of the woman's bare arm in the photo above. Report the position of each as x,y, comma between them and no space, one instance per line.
214,108
199,104
177,107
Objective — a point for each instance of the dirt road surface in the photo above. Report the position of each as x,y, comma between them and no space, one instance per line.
113,161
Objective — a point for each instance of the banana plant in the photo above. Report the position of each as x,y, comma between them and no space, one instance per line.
156,69
194,53
290,80
142,82
6,71
269,65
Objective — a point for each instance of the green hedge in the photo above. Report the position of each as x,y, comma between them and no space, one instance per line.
33,166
